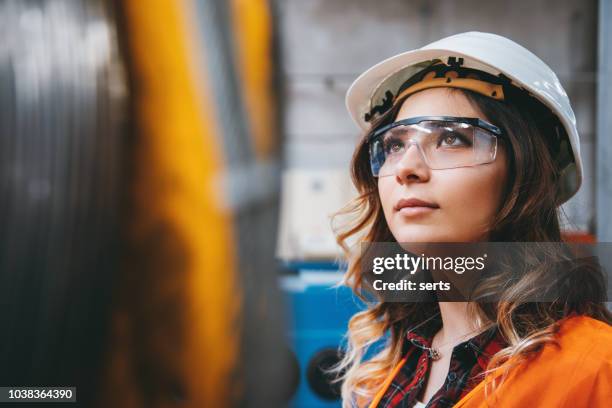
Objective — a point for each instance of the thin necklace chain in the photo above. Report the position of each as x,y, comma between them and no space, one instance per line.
422,323
434,352
455,339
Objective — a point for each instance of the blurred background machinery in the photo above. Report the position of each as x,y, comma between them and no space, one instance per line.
199,311
317,313
63,101
140,191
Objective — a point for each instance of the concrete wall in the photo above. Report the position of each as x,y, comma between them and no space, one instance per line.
327,43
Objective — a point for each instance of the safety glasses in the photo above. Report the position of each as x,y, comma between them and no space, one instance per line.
444,142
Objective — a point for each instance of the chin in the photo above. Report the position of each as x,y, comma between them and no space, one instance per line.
425,234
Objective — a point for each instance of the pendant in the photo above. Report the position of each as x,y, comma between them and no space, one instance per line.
434,354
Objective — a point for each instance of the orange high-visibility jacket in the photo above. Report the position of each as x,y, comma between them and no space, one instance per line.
575,373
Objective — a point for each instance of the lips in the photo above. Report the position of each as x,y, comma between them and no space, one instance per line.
412,203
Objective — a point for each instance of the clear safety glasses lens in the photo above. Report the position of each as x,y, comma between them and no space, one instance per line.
440,144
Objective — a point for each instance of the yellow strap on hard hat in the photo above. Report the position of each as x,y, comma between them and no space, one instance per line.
494,91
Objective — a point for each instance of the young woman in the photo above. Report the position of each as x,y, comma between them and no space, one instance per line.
470,139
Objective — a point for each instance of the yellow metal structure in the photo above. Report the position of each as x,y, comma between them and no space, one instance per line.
176,325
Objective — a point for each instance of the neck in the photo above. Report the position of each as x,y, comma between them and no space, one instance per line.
455,321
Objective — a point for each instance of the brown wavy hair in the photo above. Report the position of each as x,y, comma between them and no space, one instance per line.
529,212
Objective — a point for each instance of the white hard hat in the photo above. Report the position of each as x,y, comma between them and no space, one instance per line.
485,52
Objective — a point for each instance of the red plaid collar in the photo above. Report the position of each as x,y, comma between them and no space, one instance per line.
469,359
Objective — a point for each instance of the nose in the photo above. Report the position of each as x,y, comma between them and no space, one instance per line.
412,165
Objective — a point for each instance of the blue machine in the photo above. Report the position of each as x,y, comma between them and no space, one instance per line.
318,320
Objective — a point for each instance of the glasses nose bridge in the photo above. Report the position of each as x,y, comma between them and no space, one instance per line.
420,151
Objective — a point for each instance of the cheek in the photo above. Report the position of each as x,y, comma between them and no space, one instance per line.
473,198
386,186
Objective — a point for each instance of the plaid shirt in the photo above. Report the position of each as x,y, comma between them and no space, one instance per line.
467,360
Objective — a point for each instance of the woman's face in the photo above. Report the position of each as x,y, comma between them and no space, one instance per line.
467,198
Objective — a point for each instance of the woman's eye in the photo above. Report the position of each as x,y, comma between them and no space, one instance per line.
393,146
452,139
